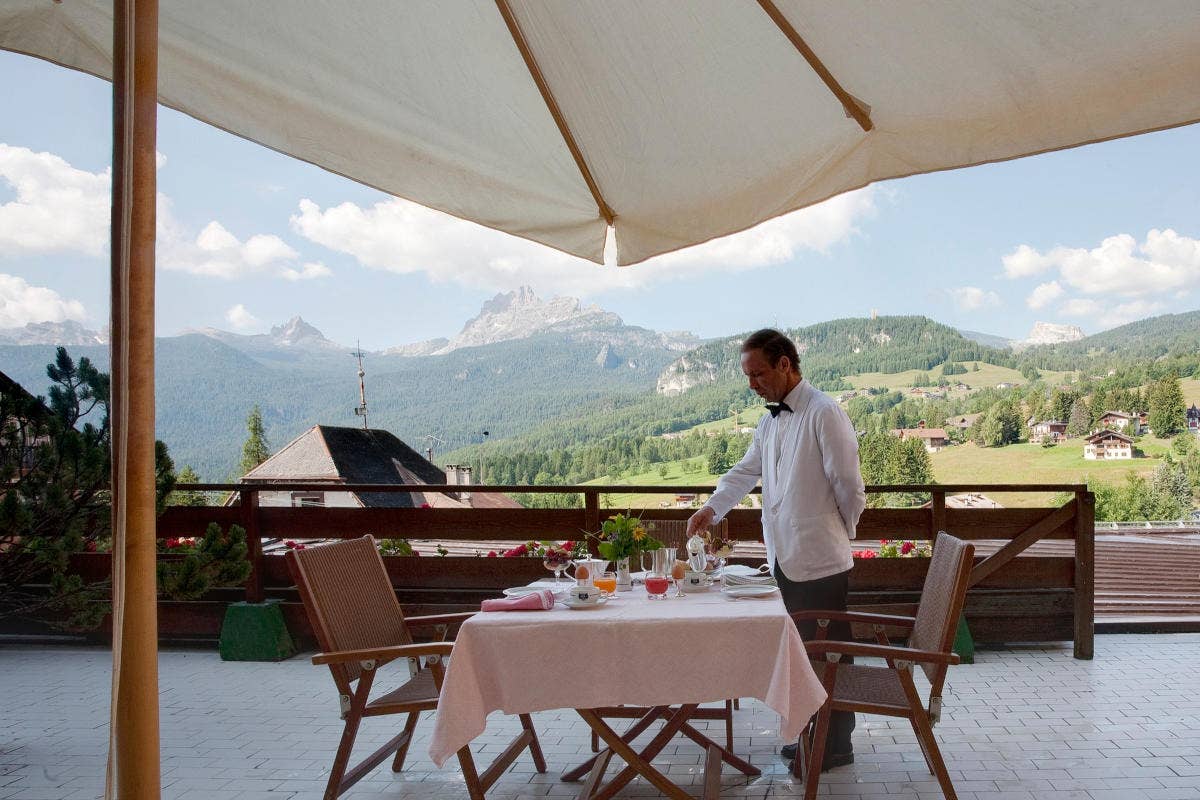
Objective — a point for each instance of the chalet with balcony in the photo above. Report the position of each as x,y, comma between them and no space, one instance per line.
1130,424
1050,430
934,439
1193,419
334,456
1107,445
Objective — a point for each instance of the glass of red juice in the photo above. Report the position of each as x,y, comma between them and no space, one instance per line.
656,586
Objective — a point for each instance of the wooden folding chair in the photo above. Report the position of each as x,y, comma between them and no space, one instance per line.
359,625
889,690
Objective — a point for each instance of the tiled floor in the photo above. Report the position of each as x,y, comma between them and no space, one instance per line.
1020,723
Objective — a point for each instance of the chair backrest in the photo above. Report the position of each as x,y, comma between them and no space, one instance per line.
349,600
942,601
673,533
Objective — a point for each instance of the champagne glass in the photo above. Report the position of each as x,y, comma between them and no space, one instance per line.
556,561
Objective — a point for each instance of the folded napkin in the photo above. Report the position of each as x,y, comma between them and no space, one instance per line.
541,600
748,580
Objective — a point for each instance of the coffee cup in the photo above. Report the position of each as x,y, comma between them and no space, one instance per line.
585,593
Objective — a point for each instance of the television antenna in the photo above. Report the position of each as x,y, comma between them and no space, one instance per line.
361,409
431,440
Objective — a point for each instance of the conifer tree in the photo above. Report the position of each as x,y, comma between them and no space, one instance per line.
1080,421
1166,415
255,450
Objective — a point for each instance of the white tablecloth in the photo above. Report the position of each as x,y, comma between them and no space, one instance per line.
631,651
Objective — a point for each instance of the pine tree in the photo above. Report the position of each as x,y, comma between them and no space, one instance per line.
1171,481
1080,421
1166,415
255,450
183,497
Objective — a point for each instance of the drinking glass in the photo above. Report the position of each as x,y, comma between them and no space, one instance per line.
607,583
678,572
657,586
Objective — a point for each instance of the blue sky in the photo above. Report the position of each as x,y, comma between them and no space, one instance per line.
1094,236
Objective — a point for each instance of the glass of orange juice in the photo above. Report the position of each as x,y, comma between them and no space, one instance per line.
606,582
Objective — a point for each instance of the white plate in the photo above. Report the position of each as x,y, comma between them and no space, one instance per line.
750,591
741,570
571,602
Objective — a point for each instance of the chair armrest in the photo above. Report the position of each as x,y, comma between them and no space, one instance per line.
385,654
856,616
879,651
438,619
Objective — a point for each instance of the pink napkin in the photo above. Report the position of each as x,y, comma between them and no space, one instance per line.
541,600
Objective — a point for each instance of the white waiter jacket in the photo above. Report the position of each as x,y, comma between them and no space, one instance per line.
812,486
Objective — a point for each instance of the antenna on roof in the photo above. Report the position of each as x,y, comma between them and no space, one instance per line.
430,440
361,409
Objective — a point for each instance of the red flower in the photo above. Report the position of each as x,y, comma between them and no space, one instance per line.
416,552
864,554
290,544
426,505
491,554
907,548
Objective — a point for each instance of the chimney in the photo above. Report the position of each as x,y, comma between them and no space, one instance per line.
464,479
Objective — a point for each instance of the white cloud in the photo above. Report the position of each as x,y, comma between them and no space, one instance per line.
401,236
1164,262
21,304
216,252
971,298
1044,295
241,319
58,208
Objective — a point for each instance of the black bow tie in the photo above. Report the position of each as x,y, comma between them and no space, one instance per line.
775,408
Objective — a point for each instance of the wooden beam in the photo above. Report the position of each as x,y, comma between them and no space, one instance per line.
133,762
535,71
854,108
1019,543
1085,574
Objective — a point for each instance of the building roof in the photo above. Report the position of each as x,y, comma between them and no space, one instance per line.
359,455
963,420
920,433
1106,434
1121,414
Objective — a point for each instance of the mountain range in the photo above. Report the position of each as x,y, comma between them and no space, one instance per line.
521,365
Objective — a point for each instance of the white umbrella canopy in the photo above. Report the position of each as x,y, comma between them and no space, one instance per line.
676,120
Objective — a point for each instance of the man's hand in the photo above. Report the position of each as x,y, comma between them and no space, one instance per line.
698,523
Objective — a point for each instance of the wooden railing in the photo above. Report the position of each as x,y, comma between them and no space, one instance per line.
1038,588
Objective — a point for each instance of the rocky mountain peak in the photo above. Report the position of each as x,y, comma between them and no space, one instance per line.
296,331
521,313
1049,333
66,334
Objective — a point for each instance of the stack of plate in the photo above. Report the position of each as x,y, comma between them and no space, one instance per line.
747,580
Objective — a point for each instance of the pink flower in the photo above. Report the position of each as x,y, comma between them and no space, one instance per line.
491,554
865,554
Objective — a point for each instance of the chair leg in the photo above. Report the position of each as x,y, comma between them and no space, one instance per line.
342,759
402,752
535,747
470,774
933,755
729,724
816,754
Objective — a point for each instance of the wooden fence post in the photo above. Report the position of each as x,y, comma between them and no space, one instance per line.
1085,574
254,584
937,519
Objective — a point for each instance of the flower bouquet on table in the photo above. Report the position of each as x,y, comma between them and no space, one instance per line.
716,550
622,539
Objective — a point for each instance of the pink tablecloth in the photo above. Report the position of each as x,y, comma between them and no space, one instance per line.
631,651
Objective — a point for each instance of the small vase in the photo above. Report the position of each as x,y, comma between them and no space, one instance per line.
624,580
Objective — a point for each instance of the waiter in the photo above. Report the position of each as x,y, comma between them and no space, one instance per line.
806,454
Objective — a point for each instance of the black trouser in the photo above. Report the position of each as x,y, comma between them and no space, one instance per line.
828,594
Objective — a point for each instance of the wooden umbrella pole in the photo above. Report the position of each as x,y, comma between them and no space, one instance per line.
134,743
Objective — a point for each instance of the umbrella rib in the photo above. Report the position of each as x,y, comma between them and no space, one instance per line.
852,105
514,30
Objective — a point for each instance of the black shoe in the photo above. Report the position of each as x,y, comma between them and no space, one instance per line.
832,760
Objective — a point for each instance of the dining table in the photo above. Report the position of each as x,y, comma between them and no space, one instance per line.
665,656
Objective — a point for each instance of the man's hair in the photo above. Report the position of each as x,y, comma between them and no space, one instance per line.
774,346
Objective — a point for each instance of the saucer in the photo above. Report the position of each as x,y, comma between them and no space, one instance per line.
571,602
521,591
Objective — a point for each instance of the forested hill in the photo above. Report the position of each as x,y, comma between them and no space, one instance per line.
1168,335
834,349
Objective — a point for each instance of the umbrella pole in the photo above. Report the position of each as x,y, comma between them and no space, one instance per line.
134,725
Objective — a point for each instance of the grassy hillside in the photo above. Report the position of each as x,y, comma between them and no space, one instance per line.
988,375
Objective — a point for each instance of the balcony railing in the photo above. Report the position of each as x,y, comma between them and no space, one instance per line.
1034,598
